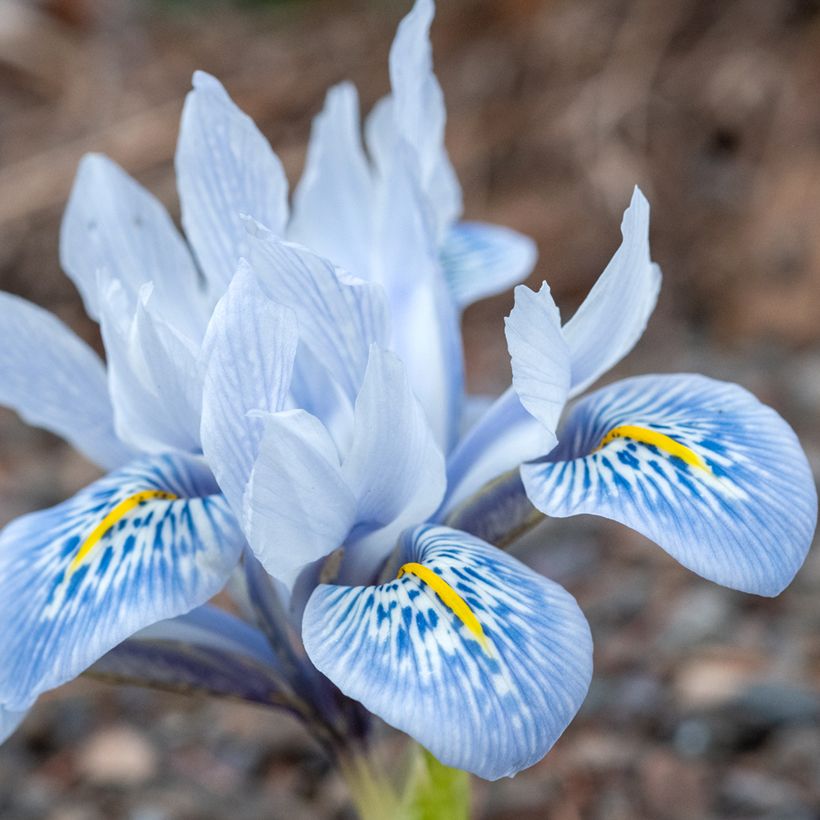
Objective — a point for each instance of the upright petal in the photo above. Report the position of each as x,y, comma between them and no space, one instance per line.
225,169
394,467
153,371
480,659
699,466
333,203
54,380
339,316
481,260
520,425
113,226
247,356
298,506
146,543
613,316
419,114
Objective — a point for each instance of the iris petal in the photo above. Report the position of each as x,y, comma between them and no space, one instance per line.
143,544
480,659
699,466
481,260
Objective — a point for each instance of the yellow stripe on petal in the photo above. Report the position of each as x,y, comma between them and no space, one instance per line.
121,510
659,440
451,599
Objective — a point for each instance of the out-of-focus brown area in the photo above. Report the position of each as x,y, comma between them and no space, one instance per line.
705,702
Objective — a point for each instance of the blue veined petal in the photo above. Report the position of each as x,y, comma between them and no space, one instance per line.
146,543
481,260
699,466
9,721
154,375
333,203
339,315
114,229
225,169
521,423
480,659
613,316
54,380
248,355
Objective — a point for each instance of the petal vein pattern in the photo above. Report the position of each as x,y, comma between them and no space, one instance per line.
69,592
699,466
480,659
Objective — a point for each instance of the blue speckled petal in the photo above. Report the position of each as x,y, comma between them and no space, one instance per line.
146,543
481,260
699,466
480,659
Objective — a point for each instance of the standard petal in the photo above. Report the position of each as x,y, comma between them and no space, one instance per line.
114,227
247,356
481,260
298,506
699,466
520,424
394,467
154,374
480,659
333,203
613,316
54,380
225,169
143,544
339,316
419,114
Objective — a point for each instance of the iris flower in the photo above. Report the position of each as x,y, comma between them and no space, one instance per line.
282,408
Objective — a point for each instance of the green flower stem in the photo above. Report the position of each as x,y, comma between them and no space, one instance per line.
429,791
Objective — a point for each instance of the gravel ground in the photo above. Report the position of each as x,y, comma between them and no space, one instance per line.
706,702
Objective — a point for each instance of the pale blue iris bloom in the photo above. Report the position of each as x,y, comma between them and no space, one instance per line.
259,394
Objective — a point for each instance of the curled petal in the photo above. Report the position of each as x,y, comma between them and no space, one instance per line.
699,466
54,380
143,544
225,169
481,260
613,316
480,659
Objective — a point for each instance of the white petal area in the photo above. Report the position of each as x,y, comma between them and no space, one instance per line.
143,544
114,227
298,506
481,260
225,169
333,203
394,467
339,316
699,466
419,113
247,356
426,330
56,381
154,374
539,356
471,653
9,722
613,316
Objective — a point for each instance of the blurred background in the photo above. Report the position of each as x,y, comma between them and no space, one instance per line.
705,702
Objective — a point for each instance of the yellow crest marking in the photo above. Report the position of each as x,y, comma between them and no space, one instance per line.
122,509
452,600
661,441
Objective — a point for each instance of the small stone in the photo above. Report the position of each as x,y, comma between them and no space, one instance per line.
117,756
711,678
